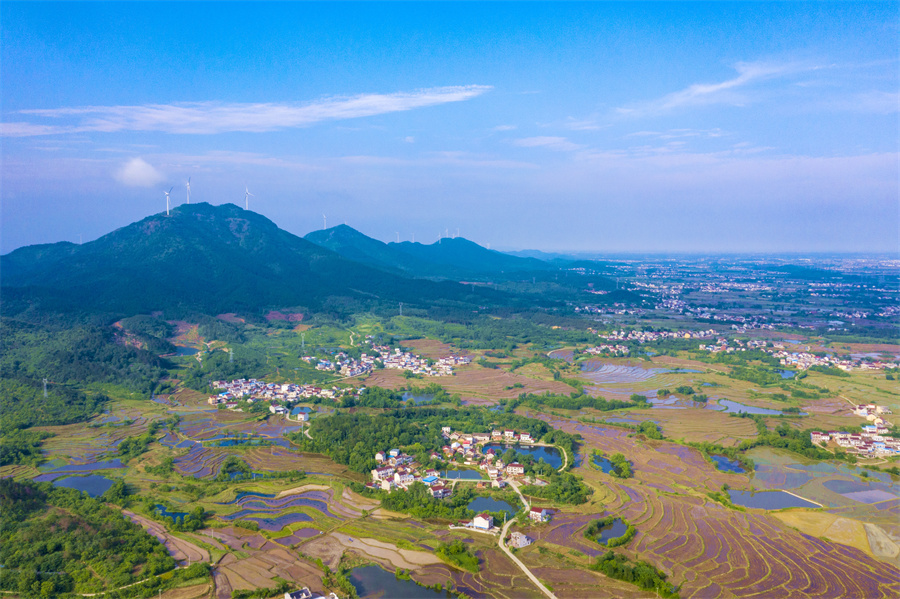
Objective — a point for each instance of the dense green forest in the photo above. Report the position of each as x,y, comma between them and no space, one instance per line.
55,541
22,404
75,354
21,447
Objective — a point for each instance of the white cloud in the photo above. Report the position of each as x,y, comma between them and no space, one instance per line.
505,128
409,139
559,144
138,173
217,117
726,92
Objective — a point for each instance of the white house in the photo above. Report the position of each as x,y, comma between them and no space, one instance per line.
518,540
539,514
483,522
403,478
382,473
515,469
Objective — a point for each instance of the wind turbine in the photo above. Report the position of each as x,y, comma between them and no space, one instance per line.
247,196
188,185
167,199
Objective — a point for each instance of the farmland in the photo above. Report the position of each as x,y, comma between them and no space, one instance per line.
243,489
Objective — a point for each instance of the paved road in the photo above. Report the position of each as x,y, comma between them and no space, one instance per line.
523,567
502,543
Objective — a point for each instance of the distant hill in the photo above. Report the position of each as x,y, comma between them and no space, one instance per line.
539,255
450,258
206,258
353,245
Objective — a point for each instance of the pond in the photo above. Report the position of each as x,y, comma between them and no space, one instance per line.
94,484
489,504
787,374
183,350
551,455
613,531
462,474
768,500
234,442
417,399
602,463
165,513
727,465
734,407
371,582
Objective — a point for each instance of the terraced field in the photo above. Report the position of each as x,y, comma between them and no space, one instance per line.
710,549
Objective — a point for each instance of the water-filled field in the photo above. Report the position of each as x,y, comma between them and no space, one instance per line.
94,485
768,500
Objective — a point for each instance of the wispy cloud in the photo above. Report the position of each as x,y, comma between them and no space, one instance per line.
216,117
679,133
725,92
505,128
558,144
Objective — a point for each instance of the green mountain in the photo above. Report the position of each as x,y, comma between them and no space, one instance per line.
447,259
353,245
204,258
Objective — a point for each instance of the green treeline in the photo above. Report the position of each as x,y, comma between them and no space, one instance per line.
575,401
639,573
787,437
55,541
458,554
563,487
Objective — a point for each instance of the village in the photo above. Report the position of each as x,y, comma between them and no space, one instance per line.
873,441
253,390
398,471
387,357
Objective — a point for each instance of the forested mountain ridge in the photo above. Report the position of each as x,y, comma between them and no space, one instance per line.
449,258
205,258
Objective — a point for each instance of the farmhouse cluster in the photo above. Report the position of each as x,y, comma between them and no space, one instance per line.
397,471
648,336
805,360
871,442
619,350
388,358
252,390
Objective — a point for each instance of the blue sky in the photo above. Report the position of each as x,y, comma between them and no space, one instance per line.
592,126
